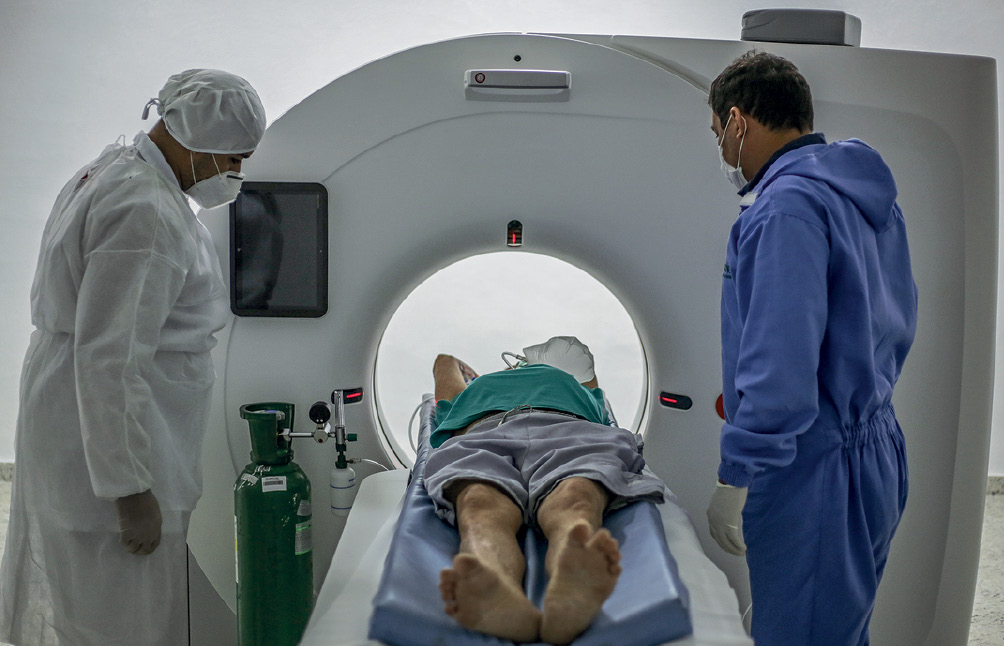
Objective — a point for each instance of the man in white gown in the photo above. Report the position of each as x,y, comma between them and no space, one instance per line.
116,383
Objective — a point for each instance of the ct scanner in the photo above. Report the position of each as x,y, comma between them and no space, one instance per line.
618,175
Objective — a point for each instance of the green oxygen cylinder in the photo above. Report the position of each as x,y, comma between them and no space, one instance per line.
272,520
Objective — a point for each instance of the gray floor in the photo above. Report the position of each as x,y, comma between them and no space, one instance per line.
988,611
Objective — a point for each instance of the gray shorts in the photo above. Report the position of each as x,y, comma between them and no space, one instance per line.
531,452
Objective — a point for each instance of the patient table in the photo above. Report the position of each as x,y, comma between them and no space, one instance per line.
648,606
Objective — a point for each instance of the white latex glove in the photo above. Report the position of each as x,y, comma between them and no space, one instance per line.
725,518
565,353
139,522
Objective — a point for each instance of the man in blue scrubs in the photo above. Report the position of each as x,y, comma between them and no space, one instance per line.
819,310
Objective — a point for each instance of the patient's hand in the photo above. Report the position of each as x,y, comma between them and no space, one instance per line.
467,372
451,375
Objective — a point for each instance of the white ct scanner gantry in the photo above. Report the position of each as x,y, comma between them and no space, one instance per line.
608,162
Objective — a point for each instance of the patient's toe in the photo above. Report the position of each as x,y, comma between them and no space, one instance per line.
448,590
604,543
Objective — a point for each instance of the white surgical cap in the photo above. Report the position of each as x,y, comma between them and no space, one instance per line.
211,111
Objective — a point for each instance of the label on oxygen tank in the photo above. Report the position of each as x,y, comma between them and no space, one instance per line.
303,542
273,483
304,509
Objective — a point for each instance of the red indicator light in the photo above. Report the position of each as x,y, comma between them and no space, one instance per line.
514,234
673,400
350,396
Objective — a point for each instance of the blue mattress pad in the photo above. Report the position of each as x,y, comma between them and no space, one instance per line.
649,604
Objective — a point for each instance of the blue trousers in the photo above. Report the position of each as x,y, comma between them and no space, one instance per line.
818,532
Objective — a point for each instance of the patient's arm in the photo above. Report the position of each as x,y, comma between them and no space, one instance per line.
447,372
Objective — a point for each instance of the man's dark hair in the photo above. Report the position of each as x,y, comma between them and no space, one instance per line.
766,86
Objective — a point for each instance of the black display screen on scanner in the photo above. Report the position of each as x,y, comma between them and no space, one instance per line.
279,250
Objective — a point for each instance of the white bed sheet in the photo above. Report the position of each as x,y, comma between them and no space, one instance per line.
342,612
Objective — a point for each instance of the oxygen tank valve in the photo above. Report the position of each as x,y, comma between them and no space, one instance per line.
319,414
329,420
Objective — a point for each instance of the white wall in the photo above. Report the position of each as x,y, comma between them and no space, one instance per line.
75,75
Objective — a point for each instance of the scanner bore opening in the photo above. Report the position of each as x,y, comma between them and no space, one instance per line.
483,305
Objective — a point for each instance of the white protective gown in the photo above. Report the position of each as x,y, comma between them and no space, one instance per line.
115,394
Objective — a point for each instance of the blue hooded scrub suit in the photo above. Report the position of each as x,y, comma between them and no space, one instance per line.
819,310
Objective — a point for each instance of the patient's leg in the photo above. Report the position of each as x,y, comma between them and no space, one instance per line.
483,590
583,559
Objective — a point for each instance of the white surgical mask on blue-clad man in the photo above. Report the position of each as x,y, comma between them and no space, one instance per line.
732,173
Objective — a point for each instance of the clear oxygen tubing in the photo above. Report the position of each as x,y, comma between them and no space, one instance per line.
368,461
411,437
520,359
344,486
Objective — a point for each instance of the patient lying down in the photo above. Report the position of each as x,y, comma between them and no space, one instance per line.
530,447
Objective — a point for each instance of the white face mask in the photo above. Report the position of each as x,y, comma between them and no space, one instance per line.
217,190
734,175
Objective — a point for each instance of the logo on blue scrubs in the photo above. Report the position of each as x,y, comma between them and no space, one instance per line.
727,274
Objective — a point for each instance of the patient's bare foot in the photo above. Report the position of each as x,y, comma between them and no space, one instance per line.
482,600
585,573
